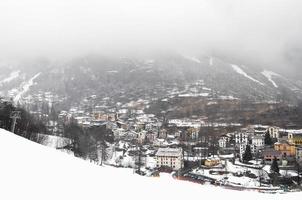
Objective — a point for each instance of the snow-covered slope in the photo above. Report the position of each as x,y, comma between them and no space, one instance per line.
243,73
193,59
25,88
31,171
269,75
12,76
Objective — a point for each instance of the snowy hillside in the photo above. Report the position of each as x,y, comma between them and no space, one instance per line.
243,73
31,171
11,77
109,76
25,88
269,75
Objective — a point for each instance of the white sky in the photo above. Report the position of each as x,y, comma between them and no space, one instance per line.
257,29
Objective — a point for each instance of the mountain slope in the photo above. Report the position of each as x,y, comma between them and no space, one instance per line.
241,72
139,77
269,75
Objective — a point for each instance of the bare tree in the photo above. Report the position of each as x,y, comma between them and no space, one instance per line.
102,146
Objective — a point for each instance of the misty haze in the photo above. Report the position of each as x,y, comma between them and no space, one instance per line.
200,93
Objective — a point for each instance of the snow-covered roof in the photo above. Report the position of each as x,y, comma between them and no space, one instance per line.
257,137
271,152
169,152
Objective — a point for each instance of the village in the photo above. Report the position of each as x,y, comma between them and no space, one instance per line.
195,148
260,157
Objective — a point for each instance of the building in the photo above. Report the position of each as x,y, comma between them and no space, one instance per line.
141,136
192,133
130,135
151,136
162,133
273,132
258,141
211,162
119,133
269,155
299,154
241,138
200,151
295,137
287,149
224,141
169,157
148,126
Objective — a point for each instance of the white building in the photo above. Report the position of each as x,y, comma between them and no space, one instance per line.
299,154
241,138
148,126
258,141
169,157
119,133
141,136
223,141
273,132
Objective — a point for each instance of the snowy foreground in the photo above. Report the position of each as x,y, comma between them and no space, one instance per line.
32,171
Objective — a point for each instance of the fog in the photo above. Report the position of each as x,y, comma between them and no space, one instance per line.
261,32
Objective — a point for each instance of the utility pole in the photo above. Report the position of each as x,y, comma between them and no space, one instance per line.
138,148
14,116
260,176
298,171
139,160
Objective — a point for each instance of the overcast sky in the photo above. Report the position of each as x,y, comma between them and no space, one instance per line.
268,31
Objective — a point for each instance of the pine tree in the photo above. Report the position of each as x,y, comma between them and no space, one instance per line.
247,156
75,134
268,139
275,166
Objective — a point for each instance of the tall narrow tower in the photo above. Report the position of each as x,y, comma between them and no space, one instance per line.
14,116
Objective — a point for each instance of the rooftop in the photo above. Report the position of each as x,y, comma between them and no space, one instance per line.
169,152
271,152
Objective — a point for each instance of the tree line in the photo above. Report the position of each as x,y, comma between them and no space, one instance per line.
89,143
27,126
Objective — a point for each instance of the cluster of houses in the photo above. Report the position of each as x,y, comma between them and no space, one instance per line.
130,123
285,144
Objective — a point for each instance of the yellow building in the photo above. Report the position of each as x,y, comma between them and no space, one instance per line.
295,138
286,148
210,162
